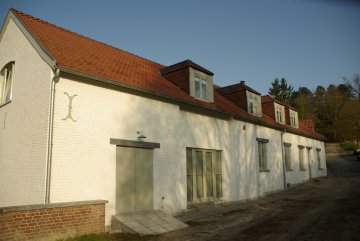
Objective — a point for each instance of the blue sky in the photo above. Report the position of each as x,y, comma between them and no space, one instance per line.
308,42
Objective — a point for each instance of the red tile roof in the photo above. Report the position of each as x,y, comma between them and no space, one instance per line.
82,54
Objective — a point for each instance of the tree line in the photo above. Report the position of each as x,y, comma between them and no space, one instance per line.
335,109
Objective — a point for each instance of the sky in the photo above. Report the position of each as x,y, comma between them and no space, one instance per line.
307,42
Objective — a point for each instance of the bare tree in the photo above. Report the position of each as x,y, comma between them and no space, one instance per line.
354,83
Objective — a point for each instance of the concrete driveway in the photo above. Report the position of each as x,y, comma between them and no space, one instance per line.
324,210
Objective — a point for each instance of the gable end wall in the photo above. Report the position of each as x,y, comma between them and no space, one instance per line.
23,122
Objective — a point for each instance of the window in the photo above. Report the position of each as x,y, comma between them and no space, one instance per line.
254,105
251,104
262,152
201,89
279,113
197,88
301,158
201,85
287,150
6,83
204,174
204,89
318,152
294,119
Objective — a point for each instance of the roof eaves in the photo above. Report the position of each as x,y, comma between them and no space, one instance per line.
186,105
139,90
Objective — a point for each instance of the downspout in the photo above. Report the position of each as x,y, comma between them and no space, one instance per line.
283,157
54,80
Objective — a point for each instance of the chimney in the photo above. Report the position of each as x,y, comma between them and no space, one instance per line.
242,82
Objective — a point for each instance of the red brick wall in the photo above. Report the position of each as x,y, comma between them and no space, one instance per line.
268,109
51,222
180,78
238,98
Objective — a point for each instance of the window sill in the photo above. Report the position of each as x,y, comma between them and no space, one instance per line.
289,170
5,103
320,169
264,170
303,170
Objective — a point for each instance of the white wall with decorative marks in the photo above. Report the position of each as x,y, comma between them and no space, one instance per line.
84,161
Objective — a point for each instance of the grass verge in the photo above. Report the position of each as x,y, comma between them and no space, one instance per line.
106,237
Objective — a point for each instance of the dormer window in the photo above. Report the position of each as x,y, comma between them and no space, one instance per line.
201,85
6,75
201,89
192,78
294,119
254,103
279,113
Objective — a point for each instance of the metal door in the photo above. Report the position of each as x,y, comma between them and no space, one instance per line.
134,179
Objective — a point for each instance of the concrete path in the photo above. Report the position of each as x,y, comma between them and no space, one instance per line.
145,223
334,149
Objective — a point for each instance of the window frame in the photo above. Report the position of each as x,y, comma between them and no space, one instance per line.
301,158
294,119
263,154
215,175
253,103
201,85
6,83
279,113
318,157
202,91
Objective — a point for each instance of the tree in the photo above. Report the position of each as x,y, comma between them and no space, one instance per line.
320,106
274,91
334,101
303,101
354,84
286,91
280,90
348,124
345,90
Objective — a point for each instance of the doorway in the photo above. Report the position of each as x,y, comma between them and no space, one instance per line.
134,179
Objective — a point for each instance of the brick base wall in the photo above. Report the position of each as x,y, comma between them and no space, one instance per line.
53,221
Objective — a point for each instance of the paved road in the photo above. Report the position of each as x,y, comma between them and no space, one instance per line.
325,210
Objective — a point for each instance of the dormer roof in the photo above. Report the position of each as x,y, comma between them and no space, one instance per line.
241,86
184,64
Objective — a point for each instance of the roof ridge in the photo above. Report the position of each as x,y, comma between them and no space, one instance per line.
18,12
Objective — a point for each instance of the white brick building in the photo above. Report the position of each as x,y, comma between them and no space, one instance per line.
72,110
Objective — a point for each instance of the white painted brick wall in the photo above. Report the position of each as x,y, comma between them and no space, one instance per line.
84,162
23,135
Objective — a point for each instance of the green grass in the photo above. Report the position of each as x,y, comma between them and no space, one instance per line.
348,146
90,237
